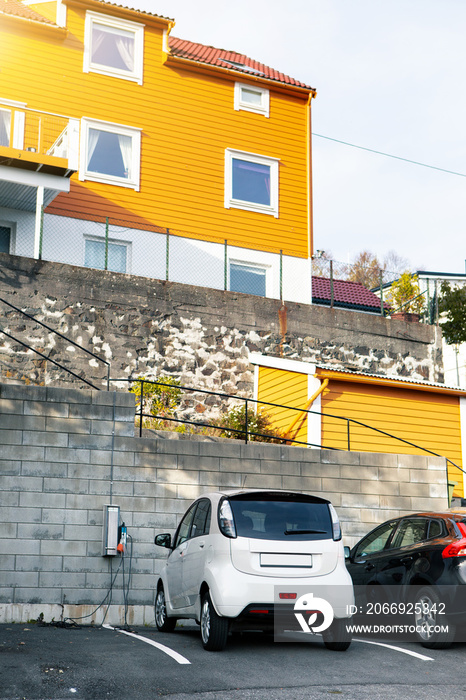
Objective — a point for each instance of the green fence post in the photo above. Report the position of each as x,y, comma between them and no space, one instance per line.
106,244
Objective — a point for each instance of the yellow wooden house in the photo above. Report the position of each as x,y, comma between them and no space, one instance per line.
347,410
150,154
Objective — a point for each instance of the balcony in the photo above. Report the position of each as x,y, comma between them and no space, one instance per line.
38,154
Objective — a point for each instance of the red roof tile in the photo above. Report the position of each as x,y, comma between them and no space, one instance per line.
349,295
17,9
224,59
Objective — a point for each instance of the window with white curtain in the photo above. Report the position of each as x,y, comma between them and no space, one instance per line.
113,47
110,153
112,255
252,98
5,127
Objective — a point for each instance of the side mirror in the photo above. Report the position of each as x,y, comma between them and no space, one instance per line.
347,552
164,540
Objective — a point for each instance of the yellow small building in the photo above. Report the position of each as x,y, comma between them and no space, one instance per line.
151,155
364,413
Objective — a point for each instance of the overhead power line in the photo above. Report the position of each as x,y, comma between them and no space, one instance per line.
389,155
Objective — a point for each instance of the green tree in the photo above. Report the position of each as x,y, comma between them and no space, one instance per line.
452,303
158,399
405,295
258,422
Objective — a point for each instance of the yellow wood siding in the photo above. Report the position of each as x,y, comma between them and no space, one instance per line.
287,389
430,420
187,120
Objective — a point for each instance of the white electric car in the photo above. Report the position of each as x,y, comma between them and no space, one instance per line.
238,557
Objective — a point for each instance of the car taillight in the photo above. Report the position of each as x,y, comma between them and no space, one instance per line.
287,596
225,519
335,523
458,548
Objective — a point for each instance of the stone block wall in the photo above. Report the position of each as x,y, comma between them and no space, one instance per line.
67,453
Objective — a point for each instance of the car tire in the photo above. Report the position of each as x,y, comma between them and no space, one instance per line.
337,637
214,629
428,600
163,622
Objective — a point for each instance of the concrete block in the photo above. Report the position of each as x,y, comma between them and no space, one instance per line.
9,467
83,532
233,464
342,485
108,398
40,531
359,500
268,466
120,488
159,522
22,579
177,476
62,395
82,501
134,475
102,427
91,412
37,563
184,447
49,469
90,442
66,454
262,481
141,488
20,483
7,563
377,459
46,439
260,450
366,472
40,408
169,505
63,548
11,421
86,564
381,488
13,515
120,459
150,461
12,406
103,458
190,492
136,503
402,503
9,498
8,530
66,425
64,517
430,504
223,480
19,547
11,437
210,464
30,499
225,448
61,579
438,491
412,461
331,471
309,484
336,457
396,473
18,391
89,471
418,490
295,453
31,596
55,485
23,452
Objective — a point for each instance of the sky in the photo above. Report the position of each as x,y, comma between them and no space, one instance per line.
389,77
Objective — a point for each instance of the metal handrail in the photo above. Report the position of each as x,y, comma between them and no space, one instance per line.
64,337
247,432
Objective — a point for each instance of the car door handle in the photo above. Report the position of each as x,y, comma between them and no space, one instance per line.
369,567
202,544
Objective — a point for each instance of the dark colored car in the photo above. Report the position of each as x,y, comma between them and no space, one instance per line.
414,566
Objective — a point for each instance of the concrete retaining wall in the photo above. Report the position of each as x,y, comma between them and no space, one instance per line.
65,454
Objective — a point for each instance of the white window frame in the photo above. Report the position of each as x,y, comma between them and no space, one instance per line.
241,104
273,163
12,226
135,28
119,129
256,266
111,241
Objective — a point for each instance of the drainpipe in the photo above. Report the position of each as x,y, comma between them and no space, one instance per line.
302,415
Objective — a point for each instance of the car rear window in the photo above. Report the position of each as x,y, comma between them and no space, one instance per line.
281,519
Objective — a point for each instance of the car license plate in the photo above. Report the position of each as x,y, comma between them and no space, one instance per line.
295,561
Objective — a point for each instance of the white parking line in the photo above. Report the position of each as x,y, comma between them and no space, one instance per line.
403,651
174,654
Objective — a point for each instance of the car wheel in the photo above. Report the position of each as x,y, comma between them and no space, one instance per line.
337,637
214,629
163,622
428,620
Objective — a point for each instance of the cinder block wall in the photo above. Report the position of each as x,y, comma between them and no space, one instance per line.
67,453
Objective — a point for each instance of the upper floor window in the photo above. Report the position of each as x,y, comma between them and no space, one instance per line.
251,182
113,46
252,98
110,153
5,126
